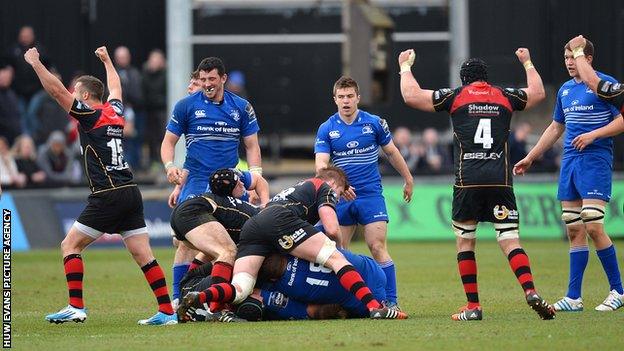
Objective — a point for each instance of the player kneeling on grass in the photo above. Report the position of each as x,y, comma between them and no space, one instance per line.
284,227
115,204
212,222
483,192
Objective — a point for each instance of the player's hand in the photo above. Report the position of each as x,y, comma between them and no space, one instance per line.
31,56
522,166
173,197
175,175
349,194
581,141
406,60
102,54
407,191
254,199
577,42
523,55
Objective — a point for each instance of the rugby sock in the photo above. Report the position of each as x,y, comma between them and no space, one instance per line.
156,279
222,292
467,264
352,281
221,273
179,270
609,262
391,285
519,262
74,272
578,262
196,263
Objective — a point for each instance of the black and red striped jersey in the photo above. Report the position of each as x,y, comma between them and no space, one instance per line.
101,135
305,198
481,115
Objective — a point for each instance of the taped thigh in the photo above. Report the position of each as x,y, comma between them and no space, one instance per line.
466,231
506,231
593,213
328,249
571,216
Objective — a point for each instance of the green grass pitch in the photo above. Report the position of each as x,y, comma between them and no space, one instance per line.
117,295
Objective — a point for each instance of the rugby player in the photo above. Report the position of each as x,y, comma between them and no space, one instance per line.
115,204
213,121
351,139
585,179
483,192
284,227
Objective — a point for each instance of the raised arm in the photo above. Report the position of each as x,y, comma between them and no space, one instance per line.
535,88
50,83
112,78
413,95
585,70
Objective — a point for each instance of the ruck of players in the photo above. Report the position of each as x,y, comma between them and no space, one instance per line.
247,252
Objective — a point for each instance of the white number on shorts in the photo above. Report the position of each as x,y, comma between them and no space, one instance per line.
483,135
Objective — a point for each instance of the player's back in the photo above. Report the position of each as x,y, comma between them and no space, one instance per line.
231,212
305,197
313,283
481,116
101,135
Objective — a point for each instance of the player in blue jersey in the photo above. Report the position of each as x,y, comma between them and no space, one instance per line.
585,179
351,139
213,121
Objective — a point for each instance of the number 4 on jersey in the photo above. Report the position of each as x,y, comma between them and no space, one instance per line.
483,135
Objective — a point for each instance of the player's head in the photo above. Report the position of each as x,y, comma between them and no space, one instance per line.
335,178
250,309
346,96
212,76
226,182
570,63
88,88
194,83
473,70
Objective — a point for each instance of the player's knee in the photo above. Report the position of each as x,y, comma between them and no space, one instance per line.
465,231
595,232
227,254
506,231
244,284
593,214
571,216
378,248
326,251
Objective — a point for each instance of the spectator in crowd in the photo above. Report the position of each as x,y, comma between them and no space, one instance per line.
436,158
518,142
26,160
131,85
9,176
26,83
9,104
57,161
236,83
45,115
402,138
155,93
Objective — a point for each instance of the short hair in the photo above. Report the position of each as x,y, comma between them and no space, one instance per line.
94,86
333,173
346,82
195,74
210,63
588,50
473,70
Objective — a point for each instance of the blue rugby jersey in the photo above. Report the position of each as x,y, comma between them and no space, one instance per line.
582,111
355,148
212,130
312,283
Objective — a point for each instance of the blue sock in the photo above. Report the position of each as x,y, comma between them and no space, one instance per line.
578,261
608,258
179,270
391,285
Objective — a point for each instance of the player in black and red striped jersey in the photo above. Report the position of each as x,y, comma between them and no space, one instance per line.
284,227
481,115
115,204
